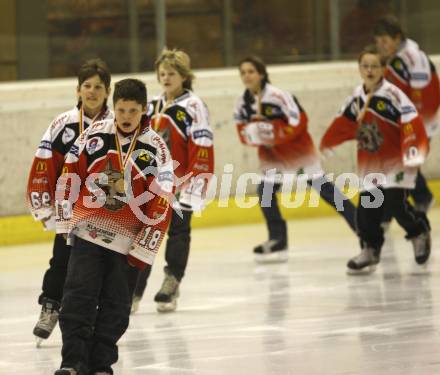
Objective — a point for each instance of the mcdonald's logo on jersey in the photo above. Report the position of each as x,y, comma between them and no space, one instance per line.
203,153
162,202
41,167
64,170
408,129
416,94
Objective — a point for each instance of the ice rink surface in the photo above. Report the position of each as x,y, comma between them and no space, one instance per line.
235,317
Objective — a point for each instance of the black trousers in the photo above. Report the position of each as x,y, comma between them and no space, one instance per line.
396,203
277,226
55,276
420,194
95,307
176,252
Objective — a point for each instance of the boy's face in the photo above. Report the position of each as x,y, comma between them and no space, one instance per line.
387,45
93,94
250,77
128,115
170,80
370,69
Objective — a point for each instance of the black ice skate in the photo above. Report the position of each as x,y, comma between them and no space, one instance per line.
166,297
271,251
66,371
425,206
135,304
422,247
47,321
364,263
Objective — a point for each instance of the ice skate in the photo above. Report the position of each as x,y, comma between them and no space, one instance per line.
271,251
364,263
422,247
166,297
425,206
386,225
66,371
135,304
47,321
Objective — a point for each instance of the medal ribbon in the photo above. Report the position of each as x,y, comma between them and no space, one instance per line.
363,112
158,115
123,161
81,118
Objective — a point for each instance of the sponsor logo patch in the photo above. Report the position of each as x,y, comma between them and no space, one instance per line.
46,145
94,144
202,133
68,135
41,167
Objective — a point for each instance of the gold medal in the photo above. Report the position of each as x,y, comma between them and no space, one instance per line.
120,186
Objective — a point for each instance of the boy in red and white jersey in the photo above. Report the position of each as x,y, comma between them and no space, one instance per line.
112,201
273,121
182,119
93,90
392,144
410,69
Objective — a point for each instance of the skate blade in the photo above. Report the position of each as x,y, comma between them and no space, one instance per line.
364,271
166,307
38,341
274,257
135,306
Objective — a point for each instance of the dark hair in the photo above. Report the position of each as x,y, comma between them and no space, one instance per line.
259,65
389,25
92,68
130,89
373,50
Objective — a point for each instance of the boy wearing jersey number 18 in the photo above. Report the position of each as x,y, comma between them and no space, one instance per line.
92,90
112,200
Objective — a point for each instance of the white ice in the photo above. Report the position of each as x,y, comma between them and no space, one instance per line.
235,317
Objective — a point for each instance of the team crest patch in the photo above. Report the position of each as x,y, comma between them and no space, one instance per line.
68,135
94,144
369,137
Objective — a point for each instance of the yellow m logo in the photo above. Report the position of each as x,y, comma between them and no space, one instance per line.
203,153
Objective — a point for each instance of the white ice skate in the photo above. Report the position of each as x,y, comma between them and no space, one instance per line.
166,297
422,247
135,304
47,321
364,263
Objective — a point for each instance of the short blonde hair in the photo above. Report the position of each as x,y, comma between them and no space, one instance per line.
178,60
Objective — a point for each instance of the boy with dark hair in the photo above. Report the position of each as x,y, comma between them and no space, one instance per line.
410,69
391,145
92,90
121,172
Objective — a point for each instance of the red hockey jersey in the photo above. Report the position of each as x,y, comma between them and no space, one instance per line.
391,138
275,123
119,188
49,159
184,125
412,71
